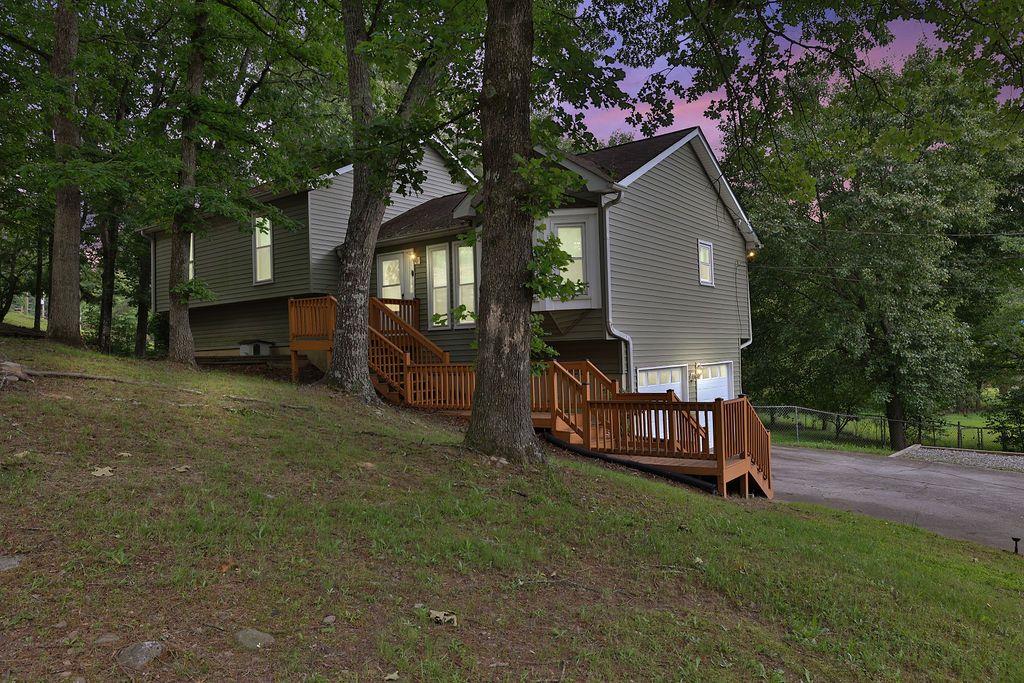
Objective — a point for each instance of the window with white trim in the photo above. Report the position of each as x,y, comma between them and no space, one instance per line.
191,256
465,285
571,237
390,276
706,263
262,250
438,291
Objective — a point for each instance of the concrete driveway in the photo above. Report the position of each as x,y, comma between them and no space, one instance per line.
985,506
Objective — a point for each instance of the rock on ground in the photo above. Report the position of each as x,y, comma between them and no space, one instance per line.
9,562
251,639
139,655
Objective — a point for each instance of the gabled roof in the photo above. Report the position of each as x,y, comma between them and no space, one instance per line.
431,216
606,170
629,161
620,161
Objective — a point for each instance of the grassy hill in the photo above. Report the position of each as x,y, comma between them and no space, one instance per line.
337,527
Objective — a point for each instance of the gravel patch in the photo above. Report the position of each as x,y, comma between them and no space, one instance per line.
991,461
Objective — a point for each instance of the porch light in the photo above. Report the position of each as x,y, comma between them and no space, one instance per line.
414,258
751,254
697,372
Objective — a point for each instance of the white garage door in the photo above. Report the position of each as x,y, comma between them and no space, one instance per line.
660,380
715,382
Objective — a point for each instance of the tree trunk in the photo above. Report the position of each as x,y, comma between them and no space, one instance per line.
38,312
501,422
372,180
897,418
109,228
65,295
142,294
181,348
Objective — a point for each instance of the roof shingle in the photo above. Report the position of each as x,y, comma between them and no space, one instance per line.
621,160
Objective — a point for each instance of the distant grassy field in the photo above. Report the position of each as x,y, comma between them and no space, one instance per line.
22,320
336,527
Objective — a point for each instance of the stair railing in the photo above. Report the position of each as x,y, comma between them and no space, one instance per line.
389,362
404,336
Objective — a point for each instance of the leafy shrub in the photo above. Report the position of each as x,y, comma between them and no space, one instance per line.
1006,418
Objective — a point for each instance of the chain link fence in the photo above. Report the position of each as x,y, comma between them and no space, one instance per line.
796,424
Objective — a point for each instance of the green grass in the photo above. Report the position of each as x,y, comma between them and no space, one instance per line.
22,320
376,515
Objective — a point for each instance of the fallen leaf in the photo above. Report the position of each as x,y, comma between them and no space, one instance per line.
124,454
442,617
181,468
367,466
102,472
227,566
393,676
21,455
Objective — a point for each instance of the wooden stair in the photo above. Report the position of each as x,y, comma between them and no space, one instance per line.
574,401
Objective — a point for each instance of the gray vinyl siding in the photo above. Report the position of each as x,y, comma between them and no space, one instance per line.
655,291
224,259
575,324
329,210
221,328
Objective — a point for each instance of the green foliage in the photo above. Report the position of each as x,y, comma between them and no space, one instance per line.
193,290
1006,417
866,211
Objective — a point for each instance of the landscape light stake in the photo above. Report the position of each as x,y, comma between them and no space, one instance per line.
1016,541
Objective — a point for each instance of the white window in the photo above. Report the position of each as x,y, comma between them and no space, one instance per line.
577,231
571,237
263,250
465,273
438,291
706,263
390,274
191,256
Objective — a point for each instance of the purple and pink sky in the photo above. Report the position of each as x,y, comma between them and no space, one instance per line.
603,122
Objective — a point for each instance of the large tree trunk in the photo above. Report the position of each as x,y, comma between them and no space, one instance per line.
181,348
65,295
109,230
372,180
501,423
142,297
896,414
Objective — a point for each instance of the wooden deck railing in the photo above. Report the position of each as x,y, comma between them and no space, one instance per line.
406,309
312,318
404,336
574,397
441,386
387,360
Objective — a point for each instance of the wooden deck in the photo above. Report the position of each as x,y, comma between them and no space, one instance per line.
723,441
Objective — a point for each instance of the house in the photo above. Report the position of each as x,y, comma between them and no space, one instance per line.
654,231
649,368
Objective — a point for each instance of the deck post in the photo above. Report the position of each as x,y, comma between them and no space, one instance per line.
295,365
718,415
552,383
407,379
586,415
670,415
746,425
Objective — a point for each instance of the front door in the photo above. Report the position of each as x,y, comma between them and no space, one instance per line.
390,276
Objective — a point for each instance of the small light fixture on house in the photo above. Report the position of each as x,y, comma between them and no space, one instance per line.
414,258
697,372
751,254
